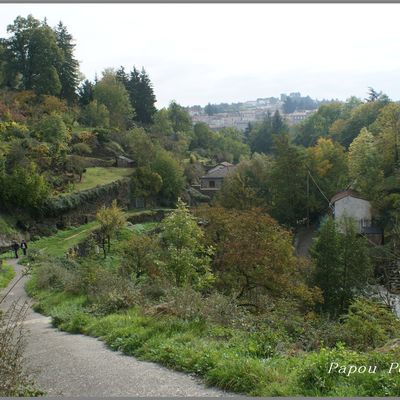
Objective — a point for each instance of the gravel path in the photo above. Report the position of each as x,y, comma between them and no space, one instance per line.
76,365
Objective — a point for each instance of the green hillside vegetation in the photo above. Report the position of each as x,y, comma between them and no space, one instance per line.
215,290
143,303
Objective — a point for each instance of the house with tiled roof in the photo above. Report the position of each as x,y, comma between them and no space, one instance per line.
212,181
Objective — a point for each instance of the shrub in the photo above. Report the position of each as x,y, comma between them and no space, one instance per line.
220,309
51,276
107,292
368,325
82,149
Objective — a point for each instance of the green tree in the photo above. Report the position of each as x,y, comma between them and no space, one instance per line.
362,116
342,263
288,183
139,257
96,114
289,106
186,258
111,220
248,186
228,146
112,93
172,177
318,124
179,117
68,69
387,131
261,136
211,109
253,256
326,253
24,188
365,164
44,59
203,137
328,164
52,129
140,147
85,93
142,96
18,51
3,63
146,183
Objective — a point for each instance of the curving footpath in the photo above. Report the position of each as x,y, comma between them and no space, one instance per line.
76,365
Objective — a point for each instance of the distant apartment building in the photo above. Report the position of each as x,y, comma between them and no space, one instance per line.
297,116
238,120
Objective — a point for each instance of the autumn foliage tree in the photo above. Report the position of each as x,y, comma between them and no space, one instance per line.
254,254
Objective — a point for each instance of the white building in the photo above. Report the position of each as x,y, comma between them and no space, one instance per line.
351,204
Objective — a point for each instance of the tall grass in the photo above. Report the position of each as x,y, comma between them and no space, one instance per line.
6,274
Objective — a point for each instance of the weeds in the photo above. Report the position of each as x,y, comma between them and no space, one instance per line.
14,380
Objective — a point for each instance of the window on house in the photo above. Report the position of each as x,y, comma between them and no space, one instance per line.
212,184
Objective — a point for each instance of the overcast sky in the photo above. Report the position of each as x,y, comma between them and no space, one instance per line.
200,53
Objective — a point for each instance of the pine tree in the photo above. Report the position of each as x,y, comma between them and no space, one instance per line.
328,271
141,94
85,93
288,183
146,100
342,263
123,77
68,68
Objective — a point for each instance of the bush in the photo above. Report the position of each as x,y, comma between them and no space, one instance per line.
220,309
51,276
368,325
82,149
107,292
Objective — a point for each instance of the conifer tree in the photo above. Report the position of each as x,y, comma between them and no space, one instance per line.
68,68
342,263
85,93
141,95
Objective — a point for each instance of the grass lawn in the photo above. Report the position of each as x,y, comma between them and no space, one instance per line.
98,176
58,244
6,274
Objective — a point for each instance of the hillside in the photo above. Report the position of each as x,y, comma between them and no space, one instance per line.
208,285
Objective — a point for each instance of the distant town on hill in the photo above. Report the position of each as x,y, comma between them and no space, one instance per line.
294,107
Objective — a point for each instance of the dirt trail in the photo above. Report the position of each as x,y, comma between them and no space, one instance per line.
77,365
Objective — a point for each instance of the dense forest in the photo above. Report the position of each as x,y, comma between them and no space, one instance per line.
216,289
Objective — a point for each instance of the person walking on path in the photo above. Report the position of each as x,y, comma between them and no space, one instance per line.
15,247
24,246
